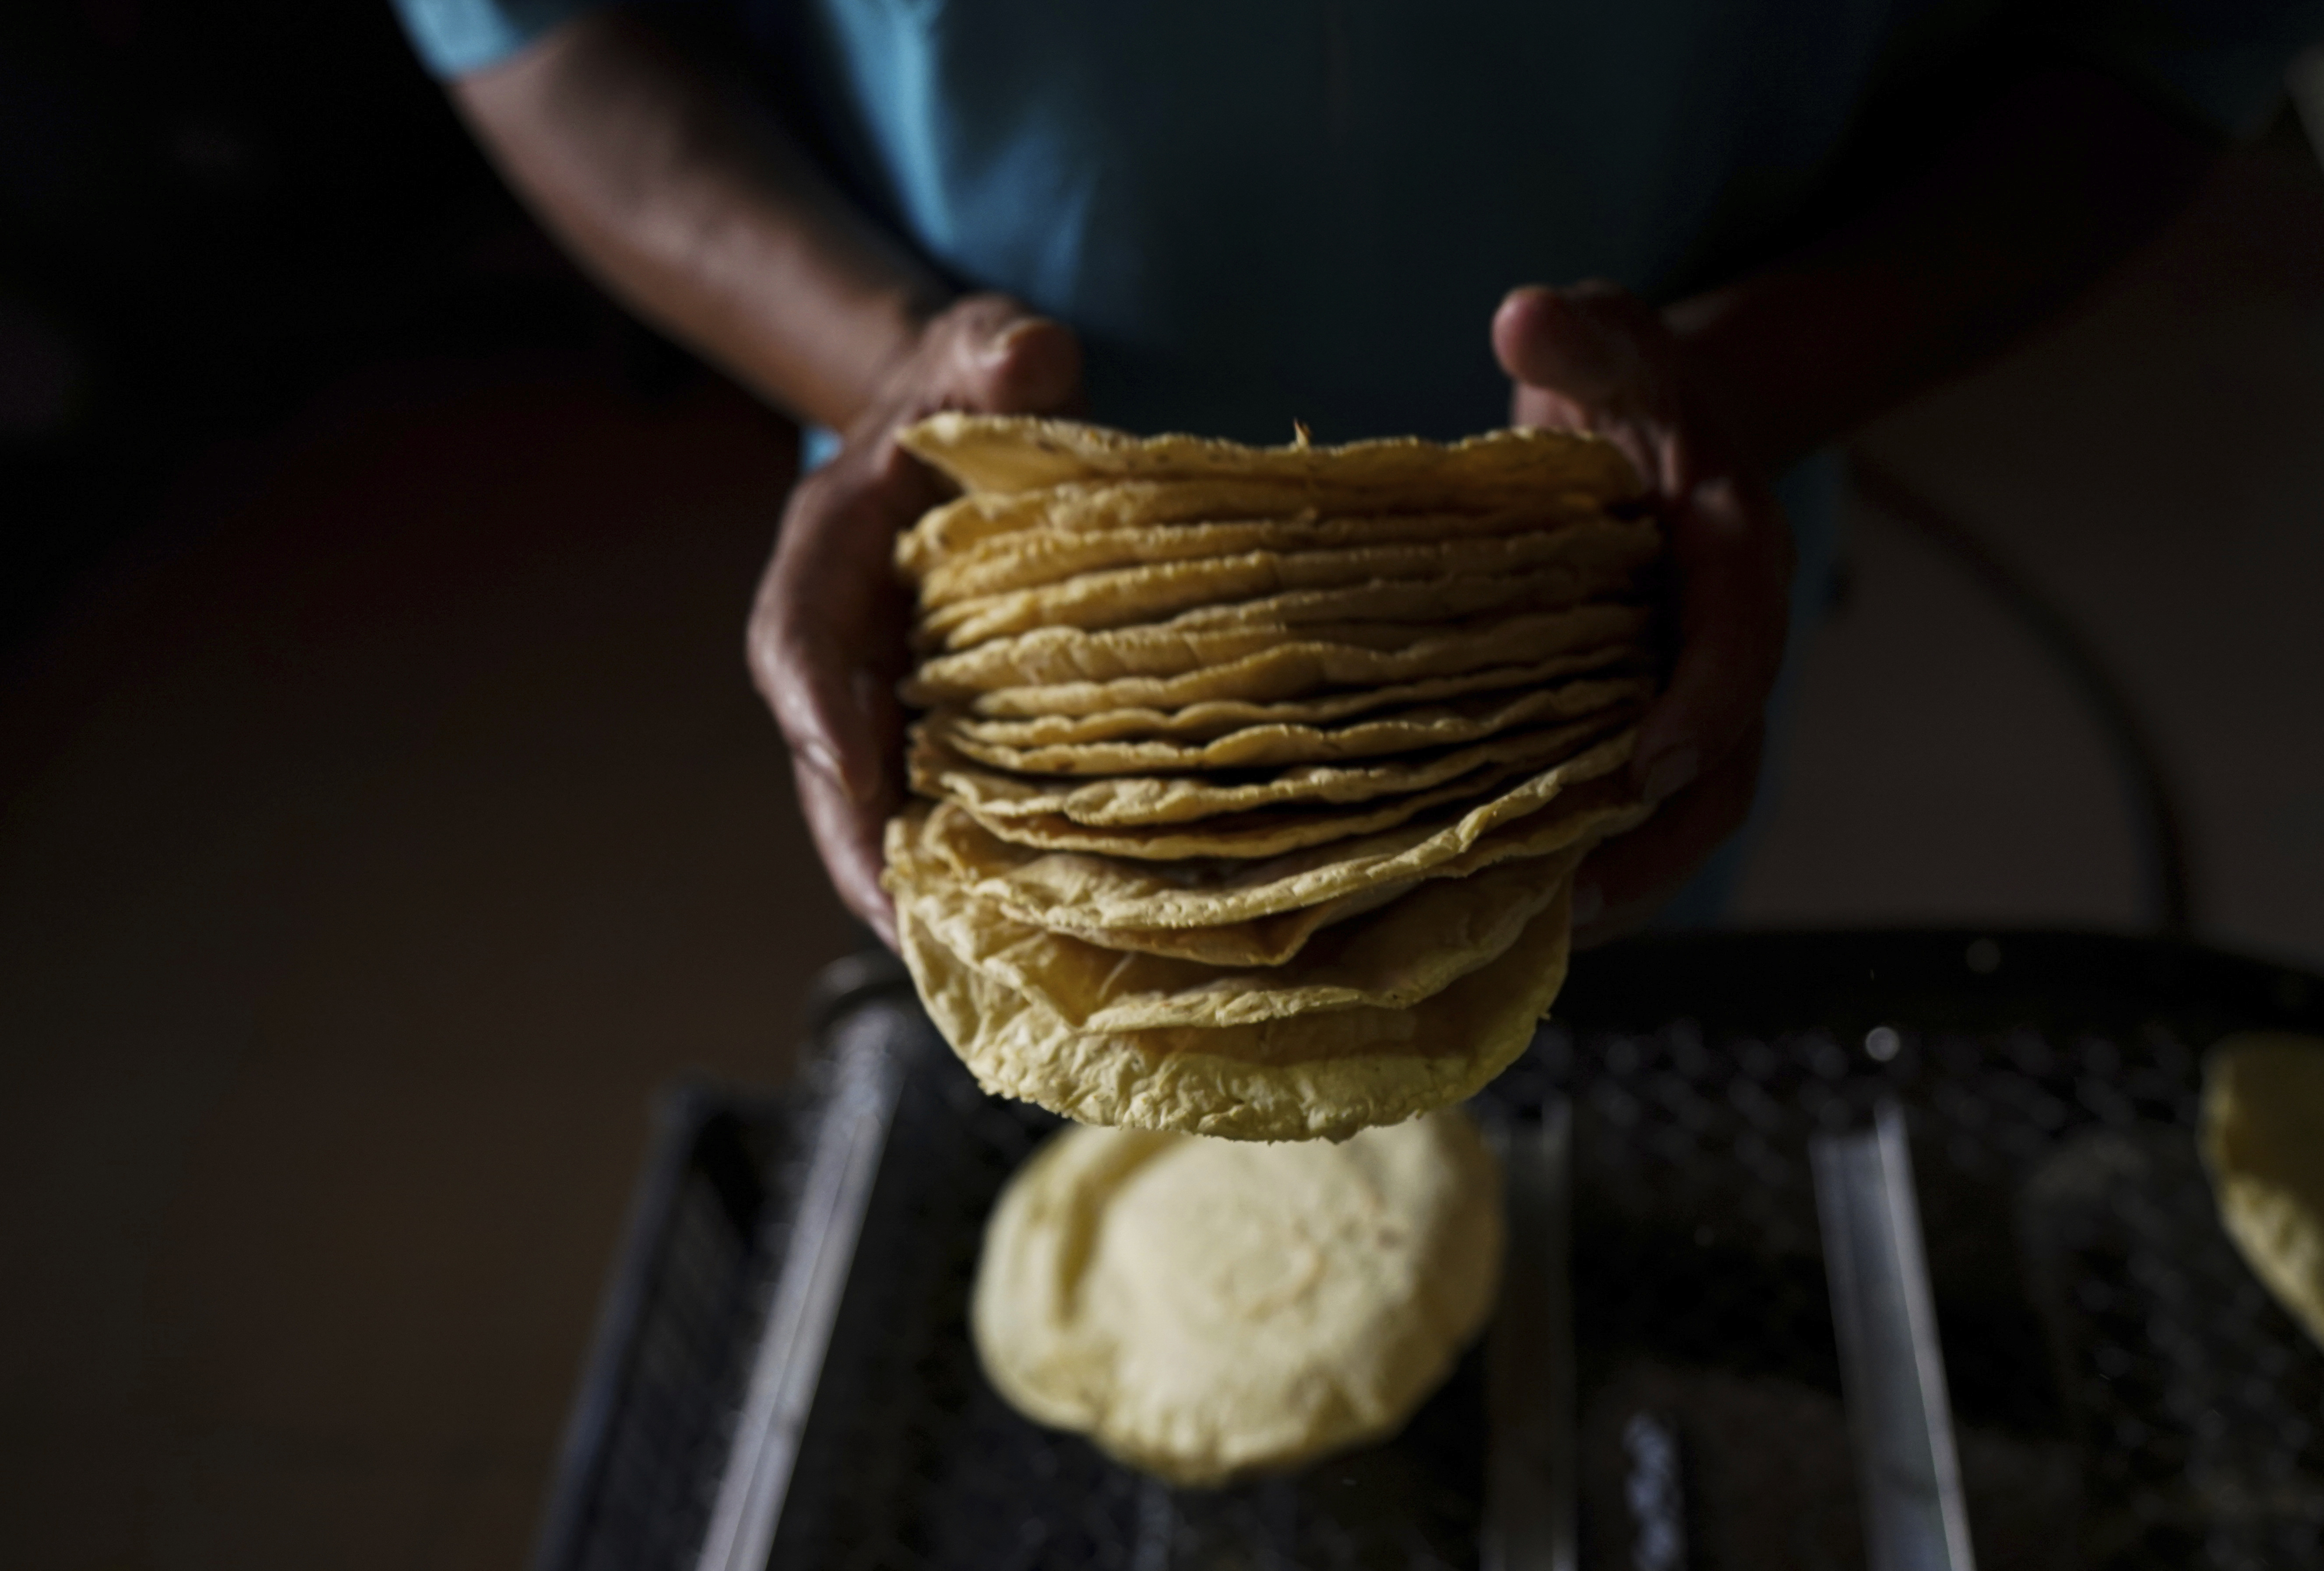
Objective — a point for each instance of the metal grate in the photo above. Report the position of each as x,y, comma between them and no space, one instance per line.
650,1429
910,1460
2111,1362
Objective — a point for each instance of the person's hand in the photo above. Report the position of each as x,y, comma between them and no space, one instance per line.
1595,358
826,638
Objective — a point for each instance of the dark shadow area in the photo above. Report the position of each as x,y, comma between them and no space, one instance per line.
210,211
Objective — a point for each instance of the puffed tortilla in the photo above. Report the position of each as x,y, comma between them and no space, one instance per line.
1203,1310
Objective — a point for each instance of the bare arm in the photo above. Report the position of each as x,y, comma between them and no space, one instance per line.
702,216
709,221
713,225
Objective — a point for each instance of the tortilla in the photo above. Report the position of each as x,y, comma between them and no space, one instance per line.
1261,774
1157,799
1306,1077
1091,895
1435,582
1263,832
1003,453
1202,1311
1031,717
1063,533
2263,1135
1410,948
1267,746
1262,663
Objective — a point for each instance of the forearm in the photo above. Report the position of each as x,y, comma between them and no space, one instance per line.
2062,179
705,221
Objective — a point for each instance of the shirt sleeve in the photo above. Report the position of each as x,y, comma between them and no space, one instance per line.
2222,62
455,37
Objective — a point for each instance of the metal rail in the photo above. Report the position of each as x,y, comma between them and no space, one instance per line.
1529,1486
1891,1370
841,1172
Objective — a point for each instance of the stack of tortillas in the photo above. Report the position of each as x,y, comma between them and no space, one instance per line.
1256,778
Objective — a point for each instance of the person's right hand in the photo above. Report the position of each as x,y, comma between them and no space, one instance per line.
826,638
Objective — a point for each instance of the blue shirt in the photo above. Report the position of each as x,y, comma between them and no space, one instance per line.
1259,212
1254,212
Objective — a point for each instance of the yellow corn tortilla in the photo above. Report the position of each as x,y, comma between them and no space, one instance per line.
1091,895
1437,582
1140,800
1263,832
1068,531
1035,717
1307,1076
913,866
1269,746
2262,1137
1203,1310
1408,950
1003,453
1262,663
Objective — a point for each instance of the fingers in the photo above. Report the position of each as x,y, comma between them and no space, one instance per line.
996,359
826,638
1566,341
825,648
989,358
1732,557
848,838
1034,367
1626,880
1593,358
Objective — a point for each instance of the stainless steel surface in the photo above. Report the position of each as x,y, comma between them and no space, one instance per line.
1892,1369
841,1171
1529,1486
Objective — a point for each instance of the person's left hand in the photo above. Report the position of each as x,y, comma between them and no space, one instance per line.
1596,359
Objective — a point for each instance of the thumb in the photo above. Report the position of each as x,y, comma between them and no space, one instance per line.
1559,340
1029,365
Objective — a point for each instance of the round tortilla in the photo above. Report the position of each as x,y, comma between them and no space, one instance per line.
1203,1310
1304,1077
1264,663
1412,948
1276,685
1135,800
1279,742
1061,534
1436,580
1068,892
1010,453
2263,1135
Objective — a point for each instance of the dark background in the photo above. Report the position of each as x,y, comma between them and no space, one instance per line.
210,211
387,813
